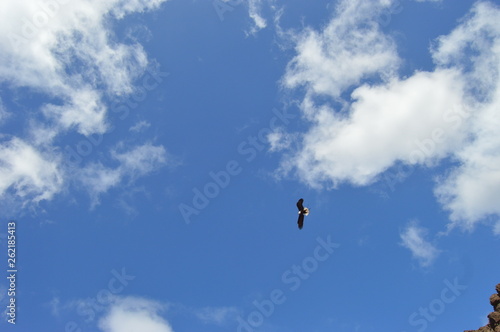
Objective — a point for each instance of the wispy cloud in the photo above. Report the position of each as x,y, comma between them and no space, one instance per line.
98,179
254,11
134,163
141,160
217,315
413,237
140,126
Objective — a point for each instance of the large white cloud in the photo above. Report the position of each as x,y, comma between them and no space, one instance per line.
386,123
452,111
66,53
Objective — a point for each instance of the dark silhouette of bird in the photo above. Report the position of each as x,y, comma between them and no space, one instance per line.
303,211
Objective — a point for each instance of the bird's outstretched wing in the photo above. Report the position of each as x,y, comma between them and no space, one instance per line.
300,222
299,205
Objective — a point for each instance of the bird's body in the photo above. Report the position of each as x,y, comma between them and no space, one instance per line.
303,211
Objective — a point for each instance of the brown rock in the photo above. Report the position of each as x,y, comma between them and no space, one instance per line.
485,329
494,318
494,299
482,329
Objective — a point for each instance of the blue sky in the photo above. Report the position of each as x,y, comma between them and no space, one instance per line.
152,152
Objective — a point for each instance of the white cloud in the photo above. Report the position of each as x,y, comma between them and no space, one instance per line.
134,163
351,47
451,111
413,238
133,314
29,173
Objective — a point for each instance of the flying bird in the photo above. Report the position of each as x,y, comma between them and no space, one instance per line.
302,212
